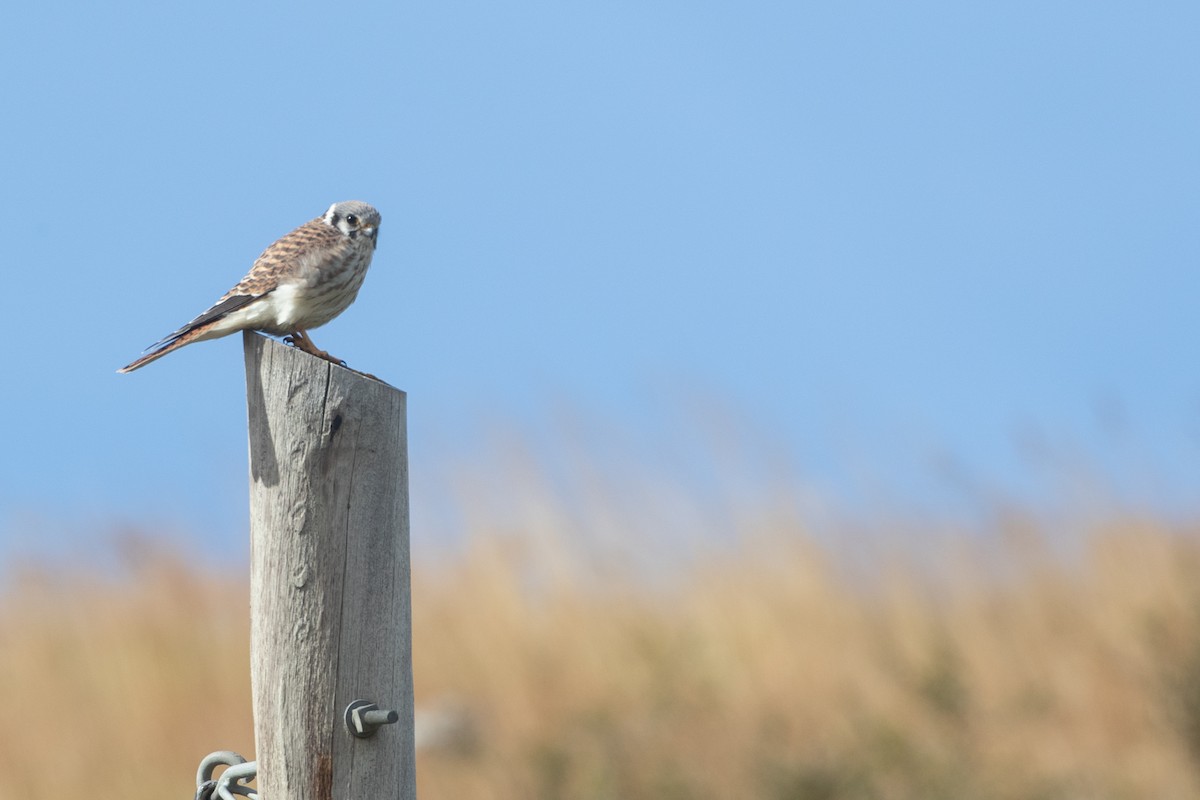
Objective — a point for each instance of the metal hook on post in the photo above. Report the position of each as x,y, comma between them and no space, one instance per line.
237,771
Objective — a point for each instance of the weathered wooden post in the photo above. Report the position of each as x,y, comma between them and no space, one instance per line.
329,578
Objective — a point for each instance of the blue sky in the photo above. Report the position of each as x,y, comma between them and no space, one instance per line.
888,236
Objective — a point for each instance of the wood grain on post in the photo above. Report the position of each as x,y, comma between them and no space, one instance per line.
329,577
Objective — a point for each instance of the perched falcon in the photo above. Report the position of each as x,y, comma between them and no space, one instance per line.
301,282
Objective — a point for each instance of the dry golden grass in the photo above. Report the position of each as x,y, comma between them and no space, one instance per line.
1020,664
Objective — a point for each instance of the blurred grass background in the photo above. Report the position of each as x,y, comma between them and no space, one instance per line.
638,642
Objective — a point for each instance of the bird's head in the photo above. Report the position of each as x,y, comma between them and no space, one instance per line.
355,219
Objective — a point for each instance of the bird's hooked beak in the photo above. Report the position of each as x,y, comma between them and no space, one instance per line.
372,233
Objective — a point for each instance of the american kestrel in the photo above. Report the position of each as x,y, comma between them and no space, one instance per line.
301,282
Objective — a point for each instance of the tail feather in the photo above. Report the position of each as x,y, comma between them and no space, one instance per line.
197,329
172,342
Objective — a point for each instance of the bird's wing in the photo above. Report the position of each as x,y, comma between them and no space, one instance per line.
222,307
307,248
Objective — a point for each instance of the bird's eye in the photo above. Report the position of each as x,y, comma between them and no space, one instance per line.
350,218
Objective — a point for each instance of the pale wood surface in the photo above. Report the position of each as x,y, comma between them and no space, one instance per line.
330,598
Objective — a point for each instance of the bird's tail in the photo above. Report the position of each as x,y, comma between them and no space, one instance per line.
160,349
227,316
